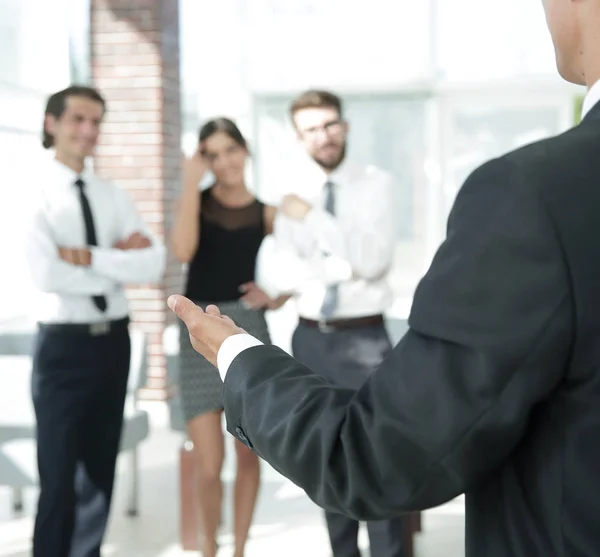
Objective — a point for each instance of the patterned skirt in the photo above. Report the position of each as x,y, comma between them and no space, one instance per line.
200,385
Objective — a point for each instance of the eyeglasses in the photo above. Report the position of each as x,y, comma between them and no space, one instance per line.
334,127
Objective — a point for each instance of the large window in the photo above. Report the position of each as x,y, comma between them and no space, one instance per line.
15,284
79,40
34,60
479,125
9,40
485,40
286,45
486,70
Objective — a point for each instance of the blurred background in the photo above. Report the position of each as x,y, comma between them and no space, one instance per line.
432,89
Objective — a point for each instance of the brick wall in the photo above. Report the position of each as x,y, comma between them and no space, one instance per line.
135,64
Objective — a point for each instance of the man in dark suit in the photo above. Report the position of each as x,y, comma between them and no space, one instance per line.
495,389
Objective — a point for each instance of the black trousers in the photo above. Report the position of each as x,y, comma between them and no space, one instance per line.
346,358
79,384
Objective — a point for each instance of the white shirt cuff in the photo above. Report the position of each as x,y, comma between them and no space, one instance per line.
231,348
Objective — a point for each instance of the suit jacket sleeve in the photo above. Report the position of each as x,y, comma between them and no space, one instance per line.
489,338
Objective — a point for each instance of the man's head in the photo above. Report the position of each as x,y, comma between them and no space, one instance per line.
318,119
72,122
573,26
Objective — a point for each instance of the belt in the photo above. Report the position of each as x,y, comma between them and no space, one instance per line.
343,324
90,329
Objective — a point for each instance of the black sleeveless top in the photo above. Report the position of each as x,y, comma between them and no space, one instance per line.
226,256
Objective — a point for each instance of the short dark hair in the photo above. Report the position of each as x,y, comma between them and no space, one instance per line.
224,125
57,103
316,98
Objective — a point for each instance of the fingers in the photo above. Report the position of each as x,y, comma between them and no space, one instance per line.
185,309
135,241
69,255
247,286
216,312
213,310
125,244
250,300
140,241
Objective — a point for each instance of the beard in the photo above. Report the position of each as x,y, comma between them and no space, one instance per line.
332,162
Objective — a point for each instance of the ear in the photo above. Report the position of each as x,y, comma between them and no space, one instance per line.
346,127
50,124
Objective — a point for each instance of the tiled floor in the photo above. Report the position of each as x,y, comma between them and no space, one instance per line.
287,523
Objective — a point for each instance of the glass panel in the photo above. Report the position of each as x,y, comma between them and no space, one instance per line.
15,194
312,38
9,40
79,41
21,110
488,40
481,129
481,40
33,61
285,45
34,44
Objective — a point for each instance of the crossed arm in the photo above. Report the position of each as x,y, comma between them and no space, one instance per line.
359,247
88,270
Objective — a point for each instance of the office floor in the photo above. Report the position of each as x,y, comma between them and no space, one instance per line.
287,522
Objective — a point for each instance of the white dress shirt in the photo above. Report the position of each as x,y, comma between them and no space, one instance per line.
55,219
354,248
592,97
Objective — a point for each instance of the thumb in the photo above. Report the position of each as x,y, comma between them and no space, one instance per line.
185,309
213,310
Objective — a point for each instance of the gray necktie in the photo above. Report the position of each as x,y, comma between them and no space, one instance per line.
331,294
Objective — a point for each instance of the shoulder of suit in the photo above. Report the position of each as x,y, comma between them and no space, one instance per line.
557,150
538,163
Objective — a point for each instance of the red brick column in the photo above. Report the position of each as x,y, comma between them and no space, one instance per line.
135,64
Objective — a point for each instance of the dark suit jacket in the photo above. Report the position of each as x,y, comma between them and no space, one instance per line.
495,389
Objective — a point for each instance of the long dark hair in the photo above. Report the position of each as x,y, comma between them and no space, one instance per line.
224,125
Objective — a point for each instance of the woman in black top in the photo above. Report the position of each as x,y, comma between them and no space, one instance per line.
218,233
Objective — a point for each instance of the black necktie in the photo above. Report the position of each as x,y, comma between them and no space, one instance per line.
90,233
331,294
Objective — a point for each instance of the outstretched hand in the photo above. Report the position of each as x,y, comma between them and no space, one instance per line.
208,329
